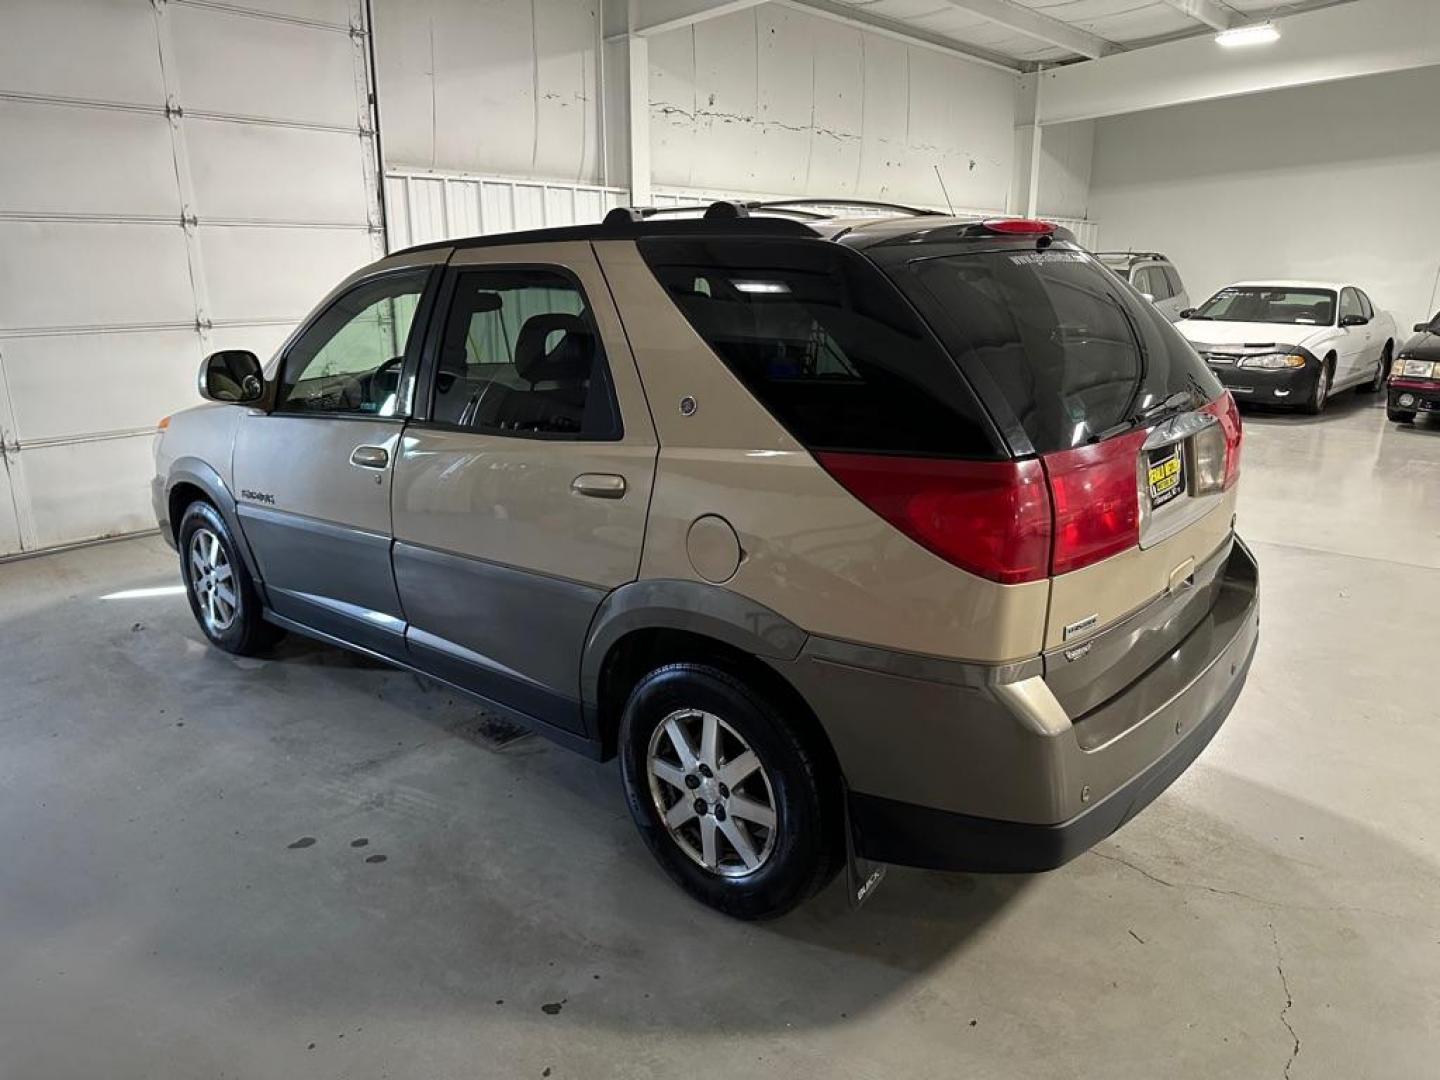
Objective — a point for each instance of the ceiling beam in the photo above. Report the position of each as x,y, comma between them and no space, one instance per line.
1215,15
1344,41
1031,23
647,17
865,19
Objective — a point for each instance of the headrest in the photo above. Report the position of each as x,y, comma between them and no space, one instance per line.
454,356
568,361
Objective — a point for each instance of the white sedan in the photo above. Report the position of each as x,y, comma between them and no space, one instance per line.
1292,342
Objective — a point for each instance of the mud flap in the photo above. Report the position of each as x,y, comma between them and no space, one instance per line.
862,877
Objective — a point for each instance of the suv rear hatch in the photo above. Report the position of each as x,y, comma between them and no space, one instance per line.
1040,423
1138,442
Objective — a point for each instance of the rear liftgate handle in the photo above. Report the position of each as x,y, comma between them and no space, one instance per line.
599,485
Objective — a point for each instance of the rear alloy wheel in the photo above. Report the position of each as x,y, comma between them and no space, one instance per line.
1382,374
221,592
734,801
712,792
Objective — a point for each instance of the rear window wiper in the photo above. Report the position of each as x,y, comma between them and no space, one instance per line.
1177,402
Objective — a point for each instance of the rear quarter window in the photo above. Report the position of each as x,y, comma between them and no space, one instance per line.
826,343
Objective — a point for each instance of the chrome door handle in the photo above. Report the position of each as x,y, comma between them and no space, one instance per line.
370,457
599,485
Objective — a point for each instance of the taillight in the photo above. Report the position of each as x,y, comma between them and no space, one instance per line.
991,518
1224,409
1014,521
1097,505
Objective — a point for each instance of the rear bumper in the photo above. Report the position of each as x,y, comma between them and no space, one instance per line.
985,771
891,831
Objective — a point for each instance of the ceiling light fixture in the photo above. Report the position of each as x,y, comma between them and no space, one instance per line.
1258,34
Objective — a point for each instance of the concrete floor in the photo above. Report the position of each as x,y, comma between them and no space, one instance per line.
1274,914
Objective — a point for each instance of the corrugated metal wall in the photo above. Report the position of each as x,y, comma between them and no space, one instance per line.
178,177
426,206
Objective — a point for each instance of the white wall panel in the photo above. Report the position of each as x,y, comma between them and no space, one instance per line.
1334,181
131,233
258,273
56,171
71,274
108,47
242,65
1066,152
773,99
329,12
69,385
266,173
9,517
80,491
490,86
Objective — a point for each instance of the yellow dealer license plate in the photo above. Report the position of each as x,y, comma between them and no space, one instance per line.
1165,473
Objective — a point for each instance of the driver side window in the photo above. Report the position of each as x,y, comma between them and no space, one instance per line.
348,361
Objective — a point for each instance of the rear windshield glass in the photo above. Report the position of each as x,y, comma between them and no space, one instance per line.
825,343
1050,337
1305,307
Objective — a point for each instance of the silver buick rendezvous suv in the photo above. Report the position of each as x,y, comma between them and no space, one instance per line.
906,538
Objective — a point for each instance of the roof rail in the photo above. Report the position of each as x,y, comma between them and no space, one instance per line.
721,210
730,209
867,204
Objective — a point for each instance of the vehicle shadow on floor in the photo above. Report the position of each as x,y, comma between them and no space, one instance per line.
1343,404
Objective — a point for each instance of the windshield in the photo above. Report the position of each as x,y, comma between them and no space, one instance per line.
1303,307
1055,340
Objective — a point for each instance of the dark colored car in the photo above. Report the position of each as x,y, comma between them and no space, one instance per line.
1415,380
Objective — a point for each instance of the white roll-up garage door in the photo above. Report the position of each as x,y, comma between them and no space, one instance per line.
175,177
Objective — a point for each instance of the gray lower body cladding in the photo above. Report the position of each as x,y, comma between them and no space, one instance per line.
955,766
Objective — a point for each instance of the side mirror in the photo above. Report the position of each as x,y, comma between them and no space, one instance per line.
232,377
1353,320
1148,296
1187,312
1424,327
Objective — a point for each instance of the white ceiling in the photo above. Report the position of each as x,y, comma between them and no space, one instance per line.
1120,24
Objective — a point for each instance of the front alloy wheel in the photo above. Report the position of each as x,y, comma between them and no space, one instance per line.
1382,373
1321,392
221,592
213,581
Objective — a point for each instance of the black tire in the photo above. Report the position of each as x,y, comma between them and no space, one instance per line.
1320,391
246,633
1400,416
1382,373
806,848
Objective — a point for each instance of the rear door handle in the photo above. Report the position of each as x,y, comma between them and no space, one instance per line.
599,485
370,457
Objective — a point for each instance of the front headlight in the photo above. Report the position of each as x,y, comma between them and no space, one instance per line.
1273,360
1417,369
